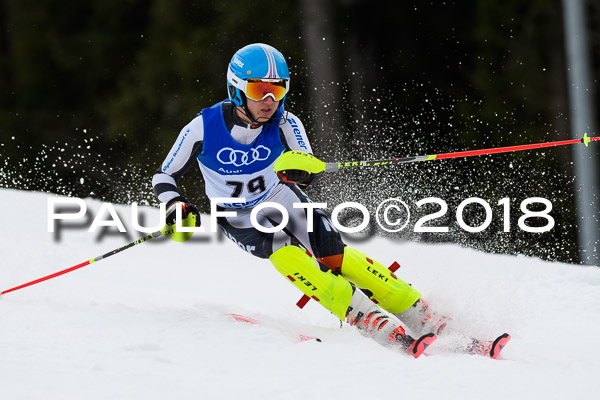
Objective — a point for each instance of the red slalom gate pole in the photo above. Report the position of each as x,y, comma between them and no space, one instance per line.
83,264
336,166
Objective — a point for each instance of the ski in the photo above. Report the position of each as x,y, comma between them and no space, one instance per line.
297,336
490,348
414,347
418,346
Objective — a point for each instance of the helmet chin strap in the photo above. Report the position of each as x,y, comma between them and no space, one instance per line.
271,121
244,111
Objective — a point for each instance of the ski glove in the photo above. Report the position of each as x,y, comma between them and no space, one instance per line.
189,218
298,167
189,213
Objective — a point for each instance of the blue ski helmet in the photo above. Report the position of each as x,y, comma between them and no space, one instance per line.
256,61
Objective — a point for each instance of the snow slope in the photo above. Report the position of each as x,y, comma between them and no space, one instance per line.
151,322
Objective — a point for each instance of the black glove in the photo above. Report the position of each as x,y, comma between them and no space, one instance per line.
297,176
188,210
298,167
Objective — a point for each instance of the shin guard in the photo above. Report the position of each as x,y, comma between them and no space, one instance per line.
332,291
390,292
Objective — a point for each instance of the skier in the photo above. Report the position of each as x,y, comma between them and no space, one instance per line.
250,151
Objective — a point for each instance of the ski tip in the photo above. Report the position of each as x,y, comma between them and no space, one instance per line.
305,338
418,346
498,345
298,337
243,318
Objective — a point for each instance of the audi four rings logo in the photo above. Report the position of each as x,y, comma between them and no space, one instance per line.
227,155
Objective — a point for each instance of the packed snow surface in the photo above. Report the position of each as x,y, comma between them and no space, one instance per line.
152,322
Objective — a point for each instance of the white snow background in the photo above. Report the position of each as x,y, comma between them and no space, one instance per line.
152,322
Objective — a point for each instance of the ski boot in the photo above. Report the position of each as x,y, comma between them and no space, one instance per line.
382,326
421,319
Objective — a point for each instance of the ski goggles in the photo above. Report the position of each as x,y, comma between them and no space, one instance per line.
259,89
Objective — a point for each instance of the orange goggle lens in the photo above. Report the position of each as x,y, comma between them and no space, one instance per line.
258,89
